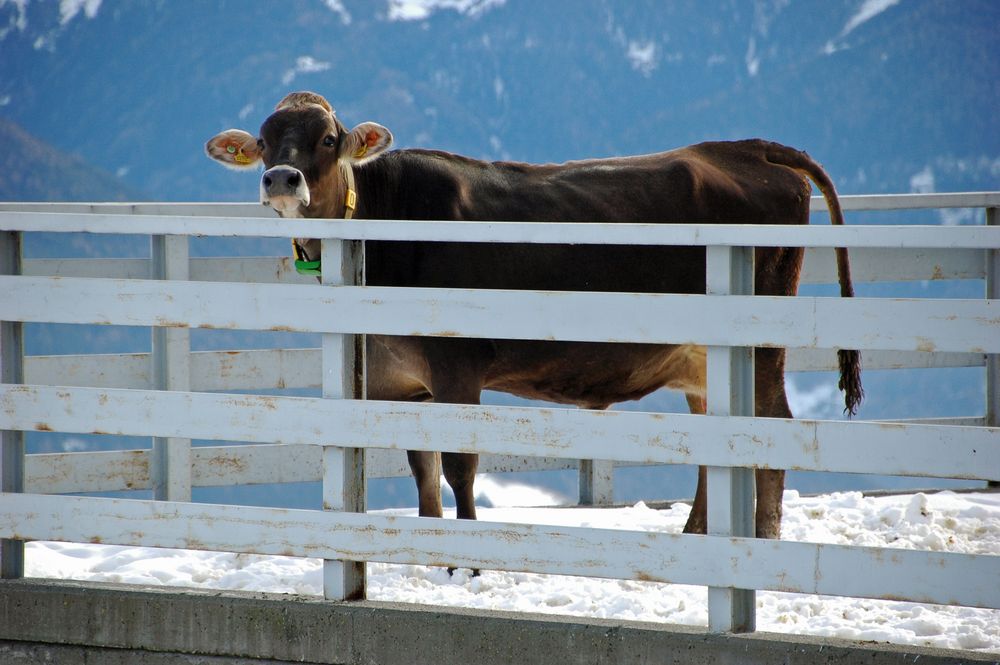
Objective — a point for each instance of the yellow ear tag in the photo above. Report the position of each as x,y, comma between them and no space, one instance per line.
361,152
238,155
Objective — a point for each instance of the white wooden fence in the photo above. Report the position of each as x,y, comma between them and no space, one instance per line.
168,395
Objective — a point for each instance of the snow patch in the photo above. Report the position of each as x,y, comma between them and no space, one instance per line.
418,10
642,56
868,10
18,18
923,181
957,216
752,59
820,402
68,9
72,444
245,111
304,65
505,494
498,88
337,7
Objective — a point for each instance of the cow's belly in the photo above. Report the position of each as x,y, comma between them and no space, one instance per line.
586,374
595,375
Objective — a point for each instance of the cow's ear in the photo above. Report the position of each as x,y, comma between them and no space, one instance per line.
365,142
234,148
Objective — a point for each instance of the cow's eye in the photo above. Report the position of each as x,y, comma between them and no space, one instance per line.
330,141
260,144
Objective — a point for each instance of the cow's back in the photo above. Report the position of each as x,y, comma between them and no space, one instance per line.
714,182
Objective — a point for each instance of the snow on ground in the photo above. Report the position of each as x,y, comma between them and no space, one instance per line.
943,521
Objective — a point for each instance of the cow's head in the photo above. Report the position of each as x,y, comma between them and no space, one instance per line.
307,156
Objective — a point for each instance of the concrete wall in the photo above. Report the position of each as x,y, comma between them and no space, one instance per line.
45,621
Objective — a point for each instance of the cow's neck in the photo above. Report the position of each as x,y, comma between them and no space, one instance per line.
419,184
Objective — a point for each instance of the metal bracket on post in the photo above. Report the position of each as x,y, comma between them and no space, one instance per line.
597,482
170,465
993,359
729,270
11,371
343,378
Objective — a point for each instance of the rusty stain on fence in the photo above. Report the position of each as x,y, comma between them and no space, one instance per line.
231,462
163,322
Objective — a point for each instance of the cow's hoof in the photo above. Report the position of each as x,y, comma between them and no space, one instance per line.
474,572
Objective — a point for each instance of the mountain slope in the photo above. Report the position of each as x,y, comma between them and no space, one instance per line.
36,171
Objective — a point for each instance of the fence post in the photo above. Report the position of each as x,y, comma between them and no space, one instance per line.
343,378
729,270
11,371
170,463
597,482
993,359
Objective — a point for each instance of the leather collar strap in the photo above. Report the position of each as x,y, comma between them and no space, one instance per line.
351,198
304,267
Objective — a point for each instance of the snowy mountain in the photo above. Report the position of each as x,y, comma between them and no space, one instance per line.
890,95
106,99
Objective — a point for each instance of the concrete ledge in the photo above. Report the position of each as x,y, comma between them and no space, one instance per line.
74,622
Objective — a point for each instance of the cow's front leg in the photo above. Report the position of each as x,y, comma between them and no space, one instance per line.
426,468
458,368
460,472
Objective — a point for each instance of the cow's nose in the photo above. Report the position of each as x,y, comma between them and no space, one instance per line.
282,180
284,188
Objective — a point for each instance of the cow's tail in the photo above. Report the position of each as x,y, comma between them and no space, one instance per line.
850,359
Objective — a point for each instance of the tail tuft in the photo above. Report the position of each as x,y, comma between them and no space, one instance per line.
850,380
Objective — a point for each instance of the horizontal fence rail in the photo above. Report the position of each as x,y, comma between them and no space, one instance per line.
224,466
811,445
758,235
863,323
299,439
265,369
925,577
867,265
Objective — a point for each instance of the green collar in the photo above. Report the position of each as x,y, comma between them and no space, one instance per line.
308,267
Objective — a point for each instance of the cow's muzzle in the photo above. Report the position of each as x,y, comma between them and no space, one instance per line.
284,188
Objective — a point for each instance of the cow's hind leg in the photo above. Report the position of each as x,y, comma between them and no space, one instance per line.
770,401
698,520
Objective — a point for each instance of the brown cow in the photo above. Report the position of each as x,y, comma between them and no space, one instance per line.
315,167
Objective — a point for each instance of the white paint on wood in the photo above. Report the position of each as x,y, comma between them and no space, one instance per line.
814,445
924,577
227,465
819,267
758,235
864,323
